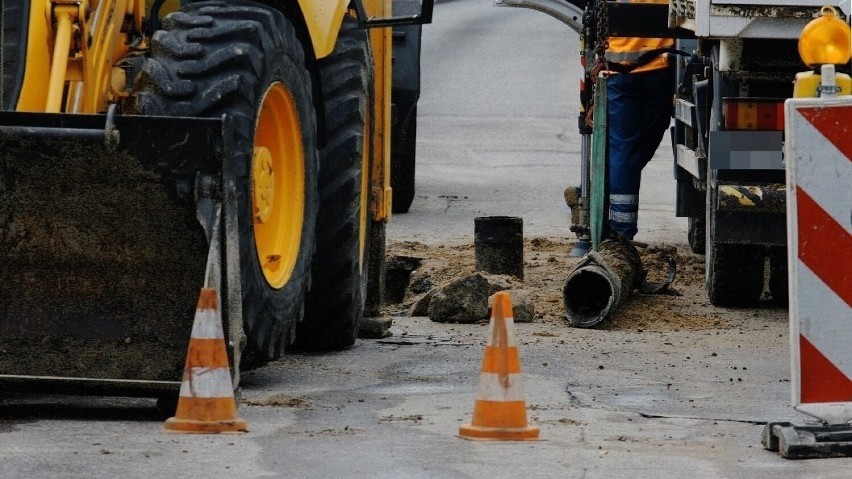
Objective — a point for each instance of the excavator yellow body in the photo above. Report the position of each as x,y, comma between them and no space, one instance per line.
148,149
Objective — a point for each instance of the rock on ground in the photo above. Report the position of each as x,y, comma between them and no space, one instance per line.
375,328
421,281
421,304
463,300
499,282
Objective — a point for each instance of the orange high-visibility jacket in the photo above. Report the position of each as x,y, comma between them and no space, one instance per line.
628,49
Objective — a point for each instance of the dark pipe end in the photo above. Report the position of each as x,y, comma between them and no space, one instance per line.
588,296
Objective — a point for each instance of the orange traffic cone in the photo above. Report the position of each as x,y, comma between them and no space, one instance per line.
500,411
206,403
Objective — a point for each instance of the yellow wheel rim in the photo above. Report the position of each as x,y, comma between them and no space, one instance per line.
278,185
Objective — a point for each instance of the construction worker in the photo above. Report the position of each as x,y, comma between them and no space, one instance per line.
639,109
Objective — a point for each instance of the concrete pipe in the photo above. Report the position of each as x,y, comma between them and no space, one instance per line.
600,282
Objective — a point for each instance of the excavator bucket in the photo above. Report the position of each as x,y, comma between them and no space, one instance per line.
105,226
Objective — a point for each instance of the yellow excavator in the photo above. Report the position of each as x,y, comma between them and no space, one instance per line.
149,148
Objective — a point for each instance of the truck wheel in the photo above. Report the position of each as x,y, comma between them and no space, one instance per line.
335,303
697,235
244,60
403,154
734,272
778,286
405,92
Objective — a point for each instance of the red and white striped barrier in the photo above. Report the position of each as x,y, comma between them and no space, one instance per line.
818,153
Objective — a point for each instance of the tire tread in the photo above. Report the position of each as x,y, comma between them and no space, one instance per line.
215,58
335,303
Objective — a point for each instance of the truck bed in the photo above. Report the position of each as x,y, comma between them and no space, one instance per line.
769,19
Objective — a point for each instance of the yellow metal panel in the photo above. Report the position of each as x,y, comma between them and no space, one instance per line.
37,68
381,43
65,16
323,19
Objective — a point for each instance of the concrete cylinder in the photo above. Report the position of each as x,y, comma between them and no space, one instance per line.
499,245
597,286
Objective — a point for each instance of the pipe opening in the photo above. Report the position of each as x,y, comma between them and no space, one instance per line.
588,297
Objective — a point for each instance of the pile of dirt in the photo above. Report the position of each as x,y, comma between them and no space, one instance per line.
546,265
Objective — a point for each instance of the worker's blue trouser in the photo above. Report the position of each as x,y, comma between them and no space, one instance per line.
639,112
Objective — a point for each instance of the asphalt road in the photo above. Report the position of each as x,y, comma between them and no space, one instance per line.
497,137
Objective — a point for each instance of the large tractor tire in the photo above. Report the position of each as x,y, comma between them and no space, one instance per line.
13,21
335,303
243,59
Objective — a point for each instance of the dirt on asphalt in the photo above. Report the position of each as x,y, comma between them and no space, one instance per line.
546,265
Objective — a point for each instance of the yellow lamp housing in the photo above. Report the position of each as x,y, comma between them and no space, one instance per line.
825,40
